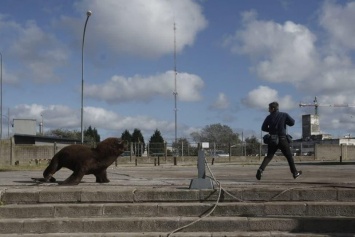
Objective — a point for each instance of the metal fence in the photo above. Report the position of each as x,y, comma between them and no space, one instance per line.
191,149
214,149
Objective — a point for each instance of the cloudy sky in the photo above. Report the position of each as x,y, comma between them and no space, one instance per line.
232,59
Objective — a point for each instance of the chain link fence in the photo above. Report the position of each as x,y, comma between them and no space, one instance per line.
215,149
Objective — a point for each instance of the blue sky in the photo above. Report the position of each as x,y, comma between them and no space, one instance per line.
233,59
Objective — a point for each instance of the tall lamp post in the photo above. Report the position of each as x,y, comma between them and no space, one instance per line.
1,98
88,14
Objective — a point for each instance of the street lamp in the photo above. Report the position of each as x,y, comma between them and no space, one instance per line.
88,14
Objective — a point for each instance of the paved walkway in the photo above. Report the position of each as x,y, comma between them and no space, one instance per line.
230,175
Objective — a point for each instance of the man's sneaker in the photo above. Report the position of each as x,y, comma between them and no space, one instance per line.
258,174
298,173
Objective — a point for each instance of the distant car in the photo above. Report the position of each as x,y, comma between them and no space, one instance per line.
126,153
221,153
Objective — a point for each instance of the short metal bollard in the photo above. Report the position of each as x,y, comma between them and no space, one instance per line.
201,182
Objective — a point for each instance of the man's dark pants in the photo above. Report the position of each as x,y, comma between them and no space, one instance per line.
284,146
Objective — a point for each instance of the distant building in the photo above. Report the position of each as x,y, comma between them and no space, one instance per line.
25,133
21,139
25,126
312,135
310,126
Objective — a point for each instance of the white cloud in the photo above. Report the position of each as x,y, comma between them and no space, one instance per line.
282,52
261,97
109,123
37,52
8,78
289,52
138,88
144,28
54,116
114,123
339,21
135,27
221,102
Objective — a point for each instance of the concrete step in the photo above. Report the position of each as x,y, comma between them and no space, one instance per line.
107,194
168,224
184,234
246,209
71,211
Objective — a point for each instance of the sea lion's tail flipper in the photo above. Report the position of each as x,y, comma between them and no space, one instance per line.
43,180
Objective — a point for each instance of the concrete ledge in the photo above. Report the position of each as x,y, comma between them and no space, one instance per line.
167,224
186,234
346,194
111,194
166,195
317,194
20,195
245,209
59,195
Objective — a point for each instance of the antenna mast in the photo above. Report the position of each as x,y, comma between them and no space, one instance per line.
175,90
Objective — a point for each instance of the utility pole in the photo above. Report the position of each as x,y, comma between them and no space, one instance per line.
88,14
175,89
1,98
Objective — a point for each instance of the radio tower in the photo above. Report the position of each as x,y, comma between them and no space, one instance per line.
175,90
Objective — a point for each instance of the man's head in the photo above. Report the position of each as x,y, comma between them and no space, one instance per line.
273,106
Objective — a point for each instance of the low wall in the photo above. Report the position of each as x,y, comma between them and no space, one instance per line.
11,154
334,152
5,152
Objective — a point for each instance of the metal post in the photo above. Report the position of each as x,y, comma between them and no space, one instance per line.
8,123
201,182
175,90
88,14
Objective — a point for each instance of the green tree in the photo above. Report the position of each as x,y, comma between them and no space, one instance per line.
216,133
138,140
252,145
63,133
91,135
183,147
126,135
156,143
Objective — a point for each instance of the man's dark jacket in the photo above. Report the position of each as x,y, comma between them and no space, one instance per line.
275,123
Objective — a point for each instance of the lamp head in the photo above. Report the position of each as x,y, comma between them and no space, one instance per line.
88,13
